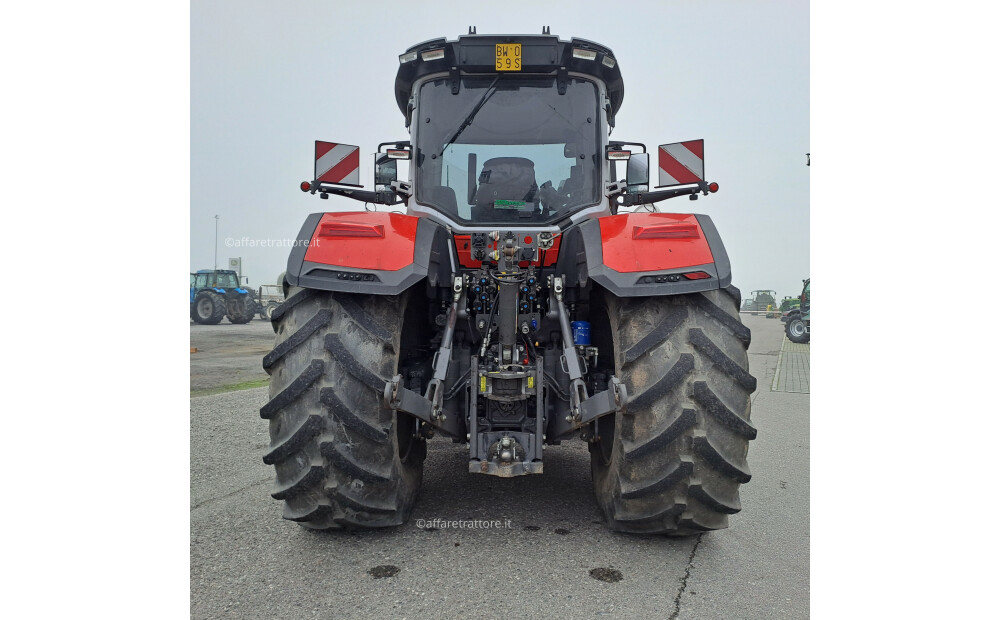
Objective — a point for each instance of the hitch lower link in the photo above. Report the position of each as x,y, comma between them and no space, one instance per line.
584,409
429,407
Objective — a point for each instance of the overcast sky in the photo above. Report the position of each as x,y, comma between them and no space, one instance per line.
267,79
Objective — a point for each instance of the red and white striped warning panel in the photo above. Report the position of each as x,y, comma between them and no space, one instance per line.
338,163
682,162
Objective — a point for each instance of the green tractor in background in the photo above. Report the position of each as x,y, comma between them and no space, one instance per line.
797,322
787,305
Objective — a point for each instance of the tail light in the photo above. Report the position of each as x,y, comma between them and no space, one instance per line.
697,275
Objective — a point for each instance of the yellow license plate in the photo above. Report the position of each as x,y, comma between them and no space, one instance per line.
508,56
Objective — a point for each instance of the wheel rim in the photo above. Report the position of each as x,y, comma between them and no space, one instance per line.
205,308
268,312
797,328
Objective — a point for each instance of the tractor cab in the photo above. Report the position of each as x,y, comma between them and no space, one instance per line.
510,131
508,149
215,279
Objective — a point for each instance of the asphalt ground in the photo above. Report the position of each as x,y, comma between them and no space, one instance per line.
545,552
229,355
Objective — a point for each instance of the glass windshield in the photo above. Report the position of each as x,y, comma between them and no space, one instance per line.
508,149
228,280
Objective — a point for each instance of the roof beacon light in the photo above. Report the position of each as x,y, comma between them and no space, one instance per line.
407,57
584,54
432,55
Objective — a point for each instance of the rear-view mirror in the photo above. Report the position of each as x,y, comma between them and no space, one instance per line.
637,173
385,171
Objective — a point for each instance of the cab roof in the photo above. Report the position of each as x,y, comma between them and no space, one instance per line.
476,53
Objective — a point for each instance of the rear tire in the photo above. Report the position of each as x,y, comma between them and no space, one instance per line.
209,308
240,309
795,329
341,458
674,461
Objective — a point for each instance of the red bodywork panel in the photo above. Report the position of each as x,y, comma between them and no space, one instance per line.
463,244
634,242
364,240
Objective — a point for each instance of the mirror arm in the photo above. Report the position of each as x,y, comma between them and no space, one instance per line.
646,198
361,195
402,189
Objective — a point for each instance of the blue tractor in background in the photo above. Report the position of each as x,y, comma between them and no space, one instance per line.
216,293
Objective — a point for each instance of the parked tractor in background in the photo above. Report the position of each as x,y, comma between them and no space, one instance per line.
269,297
763,302
787,305
528,295
797,323
216,293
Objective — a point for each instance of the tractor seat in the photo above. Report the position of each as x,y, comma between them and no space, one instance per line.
506,178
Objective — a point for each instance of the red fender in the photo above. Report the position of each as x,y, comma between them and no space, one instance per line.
634,242
364,240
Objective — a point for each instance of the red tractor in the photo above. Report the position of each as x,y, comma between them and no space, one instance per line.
528,295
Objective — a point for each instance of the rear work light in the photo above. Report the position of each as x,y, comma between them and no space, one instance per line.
432,55
407,57
619,155
397,153
697,275
351,229
666,231
584,54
